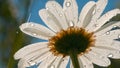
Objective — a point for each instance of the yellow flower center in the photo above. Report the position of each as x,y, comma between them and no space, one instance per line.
73,39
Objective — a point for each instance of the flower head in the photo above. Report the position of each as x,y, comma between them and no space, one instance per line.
86,34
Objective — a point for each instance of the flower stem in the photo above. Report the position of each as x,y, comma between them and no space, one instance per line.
74,58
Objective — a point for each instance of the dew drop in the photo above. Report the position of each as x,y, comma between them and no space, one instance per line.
94,11
114,26
97,10
96,25
52,66
31,24
34,34
31,63
68,4
119,36
47,8
110,55
71,23
107,33
60,15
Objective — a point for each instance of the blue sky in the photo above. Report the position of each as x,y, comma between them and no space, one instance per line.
39,4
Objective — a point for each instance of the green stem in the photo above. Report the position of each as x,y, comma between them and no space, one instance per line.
74,58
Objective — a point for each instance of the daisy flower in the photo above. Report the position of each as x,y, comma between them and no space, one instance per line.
82,39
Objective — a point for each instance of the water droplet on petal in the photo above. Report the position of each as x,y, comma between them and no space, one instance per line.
60,15
34,34
52,66
94,11
96,25
47,8
110,55
114,26
107,33
31,24
119,36
31,63
71,23
97,10
68,4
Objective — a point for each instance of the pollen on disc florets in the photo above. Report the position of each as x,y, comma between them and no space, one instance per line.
73,39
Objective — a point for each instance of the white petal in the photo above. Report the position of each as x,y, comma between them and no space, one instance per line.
85,62
28,61
50,20
98,59
41,57
47,62
107,51
86,14
100,6
64,62
23,63
36,30
57,62
29,49
100,22
109,35
107,27
56,10
71,10
71,65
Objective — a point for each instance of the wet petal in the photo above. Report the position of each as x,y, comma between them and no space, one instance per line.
85,62
107,27
103,19
29,49
71,10
50,20
107,51
23,64
71,65
47,62
57,62
36,30
86,14
64,62
98,59
100,6
109,35
28,61
56,10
